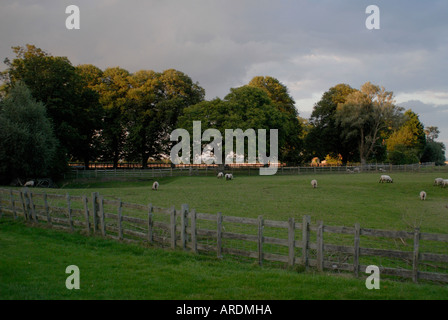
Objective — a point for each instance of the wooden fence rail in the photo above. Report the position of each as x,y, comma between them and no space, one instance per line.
297,243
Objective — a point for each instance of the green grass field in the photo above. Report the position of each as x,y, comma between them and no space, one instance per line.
33,260
340,199
33,263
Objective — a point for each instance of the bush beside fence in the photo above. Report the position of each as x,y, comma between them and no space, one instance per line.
294,243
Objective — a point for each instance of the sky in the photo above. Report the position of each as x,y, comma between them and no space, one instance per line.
309,46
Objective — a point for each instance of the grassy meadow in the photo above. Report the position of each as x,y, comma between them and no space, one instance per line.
33,260
340,199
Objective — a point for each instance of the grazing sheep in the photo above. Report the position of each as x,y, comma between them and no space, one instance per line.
229,176
314,183
438,181
350,171
29,183
220,175
357,170
385,178
155,186
423,195
444,183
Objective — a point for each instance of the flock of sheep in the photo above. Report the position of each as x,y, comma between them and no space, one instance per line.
227,176
441,182
385,178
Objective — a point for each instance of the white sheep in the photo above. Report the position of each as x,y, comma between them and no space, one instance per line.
220,175
438,181
386,178
423,195
357,170
229,176
29,183
350,171
445,183
314,183
155,186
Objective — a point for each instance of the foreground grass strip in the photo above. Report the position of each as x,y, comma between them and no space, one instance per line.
33,262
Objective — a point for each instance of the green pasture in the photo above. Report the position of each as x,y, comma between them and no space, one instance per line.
33,260
340,199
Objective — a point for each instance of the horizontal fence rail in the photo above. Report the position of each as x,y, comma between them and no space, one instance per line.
408,254
204,170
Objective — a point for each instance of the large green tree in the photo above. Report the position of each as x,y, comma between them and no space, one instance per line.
27,141
243,108
368,115
155,101
434,151
325,135
409,140
291,151
54,81
113,90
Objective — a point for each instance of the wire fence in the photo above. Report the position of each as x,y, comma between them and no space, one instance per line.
203,170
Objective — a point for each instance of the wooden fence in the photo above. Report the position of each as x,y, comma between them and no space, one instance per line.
295,243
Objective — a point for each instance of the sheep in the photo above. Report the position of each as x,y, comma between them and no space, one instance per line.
350,171
438,181
385,178
155,186
229,176
357,170
423,195
220,175
444,183
314,183
29,183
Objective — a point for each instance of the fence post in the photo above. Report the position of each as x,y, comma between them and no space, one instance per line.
291,241
31,206
184,223
219,235
102,215
120,220
260,240
356,250
150,223
13,207
26,202
194,244
320,246
95,211
22,201
173,227
86,213
305,239
415,255
47,210
69,211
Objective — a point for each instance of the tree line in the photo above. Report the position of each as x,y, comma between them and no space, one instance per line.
52,112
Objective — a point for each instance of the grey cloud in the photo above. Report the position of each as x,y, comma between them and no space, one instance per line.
308,45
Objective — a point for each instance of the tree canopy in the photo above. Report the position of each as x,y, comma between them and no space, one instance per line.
27,141
84,113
